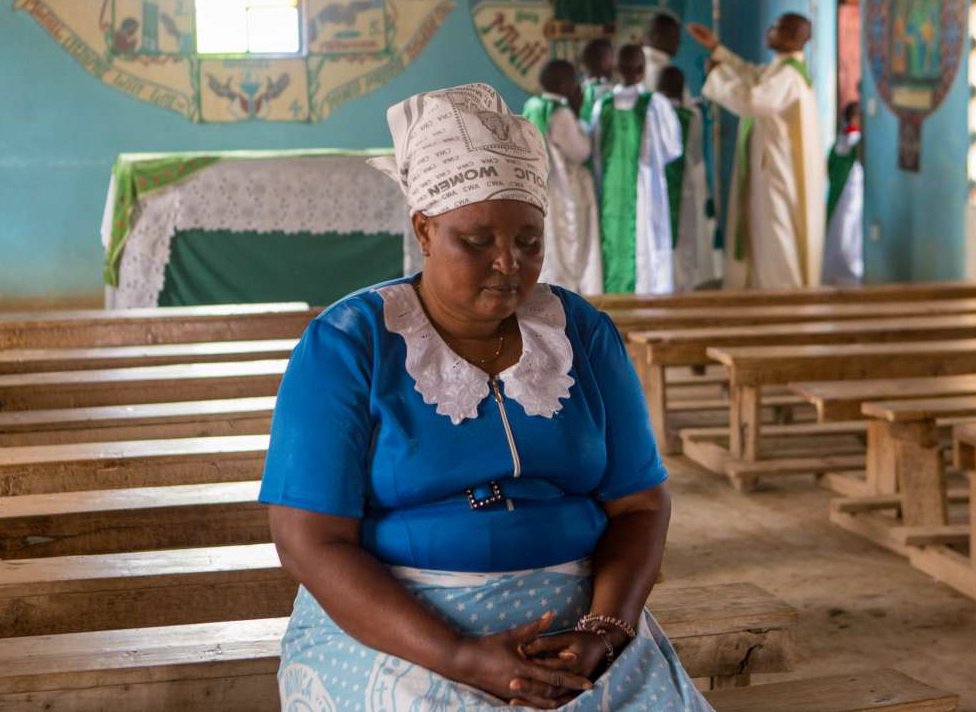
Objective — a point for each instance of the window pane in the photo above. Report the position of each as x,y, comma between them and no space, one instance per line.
273,29
242,26
221,26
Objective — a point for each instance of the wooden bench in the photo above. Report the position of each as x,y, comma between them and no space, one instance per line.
937,550
905,458
854,692
232,665
132,519
124,327
145,421
102,357
752,368
138,463
648,319
658,351
895,292
149,384
842,400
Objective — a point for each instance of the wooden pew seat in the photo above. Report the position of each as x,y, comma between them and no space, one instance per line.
854,692
137,463
102,357
132,519
141,421
124,327
842,400
143,384
232,665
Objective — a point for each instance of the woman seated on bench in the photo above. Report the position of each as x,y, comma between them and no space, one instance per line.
461,468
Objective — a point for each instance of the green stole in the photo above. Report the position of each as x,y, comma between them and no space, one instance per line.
539,110
742,141
593,91
674,172
838,171
621,133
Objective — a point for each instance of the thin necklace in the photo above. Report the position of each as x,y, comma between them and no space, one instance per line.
479,361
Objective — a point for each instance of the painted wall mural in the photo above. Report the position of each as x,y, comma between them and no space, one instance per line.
914,49
522,35
147,49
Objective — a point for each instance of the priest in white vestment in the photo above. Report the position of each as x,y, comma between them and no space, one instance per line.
775,234
843,250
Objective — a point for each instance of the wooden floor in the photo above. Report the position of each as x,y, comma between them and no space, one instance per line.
860,607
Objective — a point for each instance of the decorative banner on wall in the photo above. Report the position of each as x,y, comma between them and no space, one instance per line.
522,35
147,49
915,47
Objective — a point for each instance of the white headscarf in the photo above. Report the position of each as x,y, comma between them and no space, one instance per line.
458,146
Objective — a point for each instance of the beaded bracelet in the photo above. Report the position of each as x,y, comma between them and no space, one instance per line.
591,623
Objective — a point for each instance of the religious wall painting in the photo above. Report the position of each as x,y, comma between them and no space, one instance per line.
914,49
522,35
147,49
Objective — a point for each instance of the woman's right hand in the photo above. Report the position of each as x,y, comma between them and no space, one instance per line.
494,663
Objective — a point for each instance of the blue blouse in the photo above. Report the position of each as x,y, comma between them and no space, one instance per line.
352,437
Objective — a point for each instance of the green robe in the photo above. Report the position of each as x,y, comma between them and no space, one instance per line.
838,171
593,91
621,134
539,110
675,172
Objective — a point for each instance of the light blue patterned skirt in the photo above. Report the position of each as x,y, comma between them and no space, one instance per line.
323,669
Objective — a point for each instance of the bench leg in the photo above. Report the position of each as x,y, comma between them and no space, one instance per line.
882,459
725,682
920,474
972,519
963,455
744,422
657,402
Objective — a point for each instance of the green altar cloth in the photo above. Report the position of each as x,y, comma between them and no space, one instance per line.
223,267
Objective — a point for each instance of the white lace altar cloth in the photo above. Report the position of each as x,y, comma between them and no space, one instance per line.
317,194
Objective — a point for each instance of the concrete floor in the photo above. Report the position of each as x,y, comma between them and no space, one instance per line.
860,606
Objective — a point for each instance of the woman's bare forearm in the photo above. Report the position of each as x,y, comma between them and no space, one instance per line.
628,558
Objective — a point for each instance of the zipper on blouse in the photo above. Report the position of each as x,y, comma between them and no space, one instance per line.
516,460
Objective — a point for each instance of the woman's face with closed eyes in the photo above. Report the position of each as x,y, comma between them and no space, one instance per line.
482,260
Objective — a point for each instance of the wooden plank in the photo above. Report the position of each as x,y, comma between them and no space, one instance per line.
944,534
766,365
154,326
920,473
897,411
853,692
841,400
688,347
891,292
872,526
80,359
948,566
644,319
70,594
132,519
150,384
139,463
872,503
792,466
144,421
755,636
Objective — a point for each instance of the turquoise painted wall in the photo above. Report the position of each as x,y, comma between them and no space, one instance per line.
61,129
918,218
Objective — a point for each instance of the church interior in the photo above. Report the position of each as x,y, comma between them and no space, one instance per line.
770,203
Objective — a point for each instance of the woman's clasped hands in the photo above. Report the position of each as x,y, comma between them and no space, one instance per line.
521,666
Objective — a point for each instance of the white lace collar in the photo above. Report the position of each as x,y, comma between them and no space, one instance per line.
537,382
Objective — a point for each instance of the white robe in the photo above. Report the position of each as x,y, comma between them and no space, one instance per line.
694,252
660,145
843,249
787,177
573,258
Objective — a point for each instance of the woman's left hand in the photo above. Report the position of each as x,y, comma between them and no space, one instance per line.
579,653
